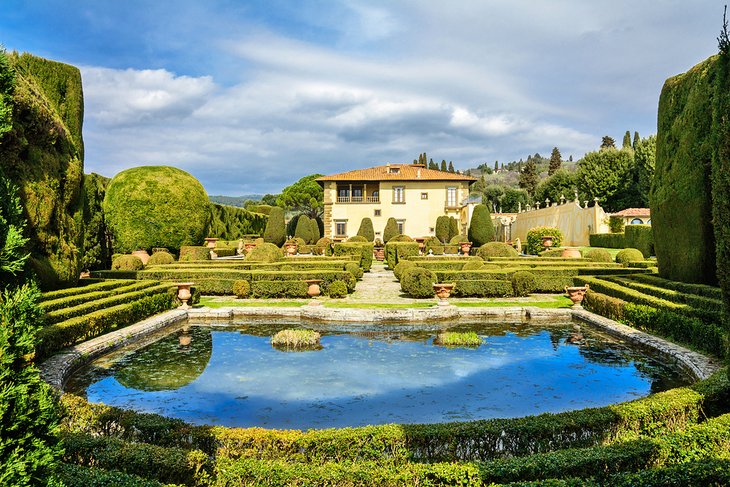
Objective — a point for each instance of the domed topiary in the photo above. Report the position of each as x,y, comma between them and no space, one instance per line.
401,266
242,289
354,269
303,230
473,265
523,283
391,230
598,255
323,246
127,263
629,255
275,231
357,238
338,289
458,238
265,252
366,229
496,249
156,206
161,258
418,282
401,238
552,253
481,228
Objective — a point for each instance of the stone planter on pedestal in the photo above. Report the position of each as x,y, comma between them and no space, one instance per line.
313,290
443,291
184,294
210,242
465,247
547,241
571,253
291,249
576,294
143,256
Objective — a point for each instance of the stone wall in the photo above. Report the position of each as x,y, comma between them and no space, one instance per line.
575,221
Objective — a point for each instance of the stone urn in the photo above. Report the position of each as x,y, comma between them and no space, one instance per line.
443,291
184,294
143,256
210,242
571,253
248,247
465,247
313,289
547,241
379,253
184,338
576,294
291,249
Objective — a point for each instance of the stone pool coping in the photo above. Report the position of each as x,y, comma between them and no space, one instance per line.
59,367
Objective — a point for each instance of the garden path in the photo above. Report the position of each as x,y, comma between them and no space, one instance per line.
379,286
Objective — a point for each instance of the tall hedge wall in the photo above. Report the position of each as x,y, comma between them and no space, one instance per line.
97,246
43,154
680,198
721,172
232,223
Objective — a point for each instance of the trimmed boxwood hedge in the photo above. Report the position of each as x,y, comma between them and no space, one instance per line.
188,253
49,306
640,237
89,288
76,475
278,289
396,251
363,249
607,240
482,288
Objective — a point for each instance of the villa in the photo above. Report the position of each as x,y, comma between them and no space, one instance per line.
411,193
635,216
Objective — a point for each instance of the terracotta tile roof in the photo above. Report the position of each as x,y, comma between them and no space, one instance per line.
634,212
405,172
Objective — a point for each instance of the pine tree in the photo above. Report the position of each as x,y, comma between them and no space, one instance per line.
627,140
528,177
607,143
391,229
366,229
555,161
637,139
451,167
443,165
481,228
433,165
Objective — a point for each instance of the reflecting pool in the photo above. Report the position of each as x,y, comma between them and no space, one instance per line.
229,374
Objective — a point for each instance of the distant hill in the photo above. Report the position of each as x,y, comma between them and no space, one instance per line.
234,200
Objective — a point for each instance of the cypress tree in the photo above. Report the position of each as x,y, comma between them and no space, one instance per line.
391,229
291,225
636,140
314,230
442,228
453,228
555,161
433,165
366,229
496,166
481,228
303,229
275,231
627,140
528,177
444,168
451,167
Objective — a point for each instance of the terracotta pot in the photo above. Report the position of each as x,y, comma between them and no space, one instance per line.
210,242
143,256
443,291
248,247
313,289
571,253
184,339
547,241
576,294
184,294
465,247
379,254
291,248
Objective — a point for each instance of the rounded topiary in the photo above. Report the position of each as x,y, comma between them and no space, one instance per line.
354,269
338,289
357,238
314,230
443,224
298,241
523,283
629,255
458,239
402,266
127,263
534,238
161,258
303,230
598,255
418,282
473,265
275,231
552,253
323,246
433,245
242,289
496,249
401,238
391,229
481,228
265,252
366,229
156,206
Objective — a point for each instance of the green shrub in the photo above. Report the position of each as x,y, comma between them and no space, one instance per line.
357,239
433,246
156,206
338,289
458,339
451,249
323,246
275,232
232,223
303,229
534,238
496,249
265,252
402,266
481,228
473,265
127,263
71,474
401,238
418,282
94,294
391,230
366,230
161,258
397,251
362,249
458,239
453,228
482,288
640,237
189,253
598,255
604,305
629,255
314,231
607,240
224,252
278,289
354,269
616,223
242,289
552,253
443,225
523,283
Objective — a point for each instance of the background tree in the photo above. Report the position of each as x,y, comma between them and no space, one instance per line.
496,166
7,87
391,229
275,231
303,229
514,199
481,228
366,229
528,177
562,183
12,242
636,140
644,159
493,195
627,141
433,165
603,175
451,167
442,228
555,161
443,165
607,143
269,199
305,196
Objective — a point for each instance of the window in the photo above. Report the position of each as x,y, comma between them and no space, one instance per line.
424,196
341,228
399,194
401,226
394,170
376,212
637,221
451,197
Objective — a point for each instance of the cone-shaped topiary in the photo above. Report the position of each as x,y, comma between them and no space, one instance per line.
366,229
453,227
443,223
481,228
275,228
391,229
314,231
156,206
304,229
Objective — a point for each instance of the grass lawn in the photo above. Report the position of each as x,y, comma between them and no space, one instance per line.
214,302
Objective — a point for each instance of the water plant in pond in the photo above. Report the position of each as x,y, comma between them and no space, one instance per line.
296,339
458,339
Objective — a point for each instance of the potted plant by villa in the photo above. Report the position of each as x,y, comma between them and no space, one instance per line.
465,247
576,294
379,250
443,291
184,294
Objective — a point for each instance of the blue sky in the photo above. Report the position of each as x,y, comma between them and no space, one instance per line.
250,96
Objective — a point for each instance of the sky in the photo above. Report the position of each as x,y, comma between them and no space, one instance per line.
249,96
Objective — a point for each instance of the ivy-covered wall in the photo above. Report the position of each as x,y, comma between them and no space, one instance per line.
680,198
231,223
43,154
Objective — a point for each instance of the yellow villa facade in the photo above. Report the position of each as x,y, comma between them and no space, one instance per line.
412,194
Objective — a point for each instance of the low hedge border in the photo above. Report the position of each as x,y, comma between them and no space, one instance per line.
699,302
104,285
278,289
476,440
395,251
111,275
482,288
76,475
607,240
76,299
363,249
697,289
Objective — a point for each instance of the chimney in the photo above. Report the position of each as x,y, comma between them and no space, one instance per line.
418,173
